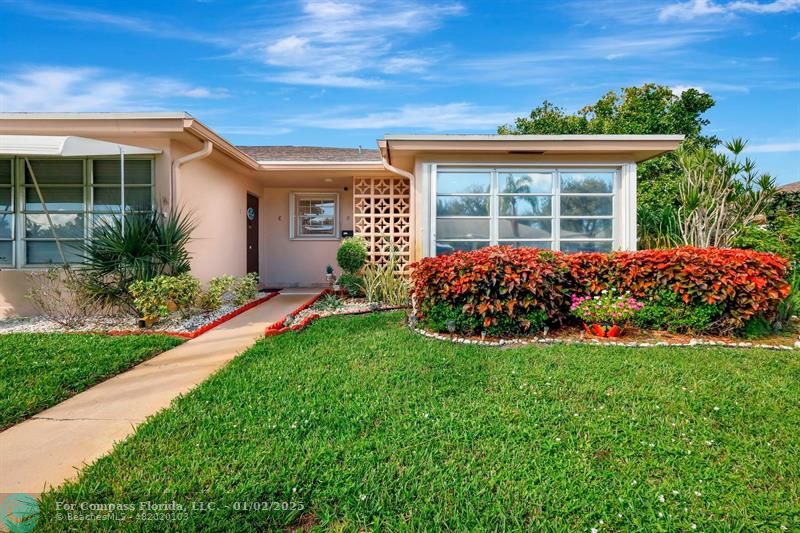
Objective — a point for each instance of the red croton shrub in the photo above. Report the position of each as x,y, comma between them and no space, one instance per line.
494,282
502,282
743,283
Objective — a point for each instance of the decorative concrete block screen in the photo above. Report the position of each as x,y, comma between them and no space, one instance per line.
382,215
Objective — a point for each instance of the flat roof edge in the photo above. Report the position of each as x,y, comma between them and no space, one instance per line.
494,137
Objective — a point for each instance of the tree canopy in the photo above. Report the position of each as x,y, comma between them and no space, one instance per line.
649,109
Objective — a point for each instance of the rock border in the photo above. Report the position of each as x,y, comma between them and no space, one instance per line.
186,335
595,342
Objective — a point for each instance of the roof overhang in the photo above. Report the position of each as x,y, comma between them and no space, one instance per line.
401,150
66,146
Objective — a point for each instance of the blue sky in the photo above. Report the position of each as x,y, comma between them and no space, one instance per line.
344,72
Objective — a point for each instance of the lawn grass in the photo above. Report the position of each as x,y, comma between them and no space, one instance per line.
370,426
38,370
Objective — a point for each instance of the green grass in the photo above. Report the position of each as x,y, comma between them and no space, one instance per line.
373,427
39,370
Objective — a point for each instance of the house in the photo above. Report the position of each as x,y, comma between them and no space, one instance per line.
281,211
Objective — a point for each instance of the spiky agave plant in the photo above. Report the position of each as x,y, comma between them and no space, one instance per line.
139,249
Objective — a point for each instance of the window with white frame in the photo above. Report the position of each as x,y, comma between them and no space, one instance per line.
75,191
560,209
314,216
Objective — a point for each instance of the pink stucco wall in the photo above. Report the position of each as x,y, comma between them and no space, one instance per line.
299,263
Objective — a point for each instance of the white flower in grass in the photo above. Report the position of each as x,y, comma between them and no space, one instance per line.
363,497
593,530
716,408
633,482
675,493
694,526
698,493
660,514
661,498
709,442
619,515
558,439
601,522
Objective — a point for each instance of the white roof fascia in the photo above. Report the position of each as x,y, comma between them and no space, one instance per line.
491,137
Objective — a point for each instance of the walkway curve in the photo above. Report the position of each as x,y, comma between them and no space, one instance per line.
52,446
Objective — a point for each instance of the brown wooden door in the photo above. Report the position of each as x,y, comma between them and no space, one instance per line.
252,233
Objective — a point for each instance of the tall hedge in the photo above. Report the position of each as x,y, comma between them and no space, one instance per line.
501,282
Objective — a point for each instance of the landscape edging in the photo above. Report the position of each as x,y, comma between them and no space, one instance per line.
538,340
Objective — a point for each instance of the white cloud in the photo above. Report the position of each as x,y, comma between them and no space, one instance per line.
436,117
340,43
89,89
693,9
678,90
792,146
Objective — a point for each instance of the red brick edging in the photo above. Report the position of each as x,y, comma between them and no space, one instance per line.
277,327
199,331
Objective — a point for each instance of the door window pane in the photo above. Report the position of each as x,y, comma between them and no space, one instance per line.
106,171
524,229
587,205
66,226
136,199
462,228
525,206
46,252
472,206
57,199
585,246
55,172
448,247
591,182
591,228
463,182
525,183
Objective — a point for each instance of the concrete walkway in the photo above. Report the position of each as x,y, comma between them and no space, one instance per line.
51,447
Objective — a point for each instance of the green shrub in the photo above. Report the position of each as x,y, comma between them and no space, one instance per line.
228,289
351,283
667,311
352,254
211,298
245,288
756,327
440,315
152,298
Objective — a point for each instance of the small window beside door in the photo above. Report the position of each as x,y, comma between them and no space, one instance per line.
314,216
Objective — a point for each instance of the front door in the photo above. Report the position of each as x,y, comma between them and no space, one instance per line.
252,233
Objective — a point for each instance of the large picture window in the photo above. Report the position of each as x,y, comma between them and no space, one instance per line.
560,209
314,216
75,192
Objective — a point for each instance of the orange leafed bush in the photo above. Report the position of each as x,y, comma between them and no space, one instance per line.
503,282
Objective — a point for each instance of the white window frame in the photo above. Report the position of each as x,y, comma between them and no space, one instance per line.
11,212
19,203
622,172
294,197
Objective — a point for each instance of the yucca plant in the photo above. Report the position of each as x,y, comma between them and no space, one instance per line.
141,248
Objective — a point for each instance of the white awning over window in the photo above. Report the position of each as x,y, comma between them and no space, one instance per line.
66,146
